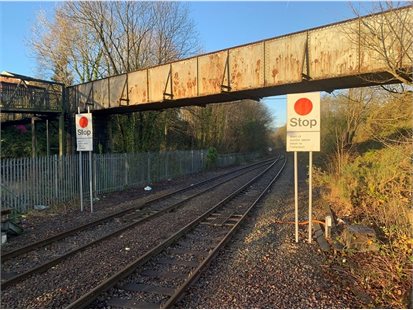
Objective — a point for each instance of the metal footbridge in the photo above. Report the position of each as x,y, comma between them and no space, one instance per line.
331,57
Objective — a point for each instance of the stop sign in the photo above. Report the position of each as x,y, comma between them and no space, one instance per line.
303,112
84,132
303,122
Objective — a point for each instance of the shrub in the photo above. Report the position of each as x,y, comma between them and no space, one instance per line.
375,189
211,157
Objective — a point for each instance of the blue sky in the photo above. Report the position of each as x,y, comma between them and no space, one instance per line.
219,24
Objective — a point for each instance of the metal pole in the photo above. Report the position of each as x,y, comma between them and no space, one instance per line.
80,174
90,182
94,176
80,181
90,175
310,197
296,195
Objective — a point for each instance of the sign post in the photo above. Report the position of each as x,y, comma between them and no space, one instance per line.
296,195
80,166
303,135
90,166
84,138
310,196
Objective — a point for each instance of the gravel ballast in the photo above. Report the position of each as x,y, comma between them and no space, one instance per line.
42,224
66,281
263,267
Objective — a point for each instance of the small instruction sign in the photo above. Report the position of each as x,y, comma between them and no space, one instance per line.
84,132
303,141
303,122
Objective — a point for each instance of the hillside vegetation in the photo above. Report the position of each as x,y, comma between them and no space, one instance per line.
365,175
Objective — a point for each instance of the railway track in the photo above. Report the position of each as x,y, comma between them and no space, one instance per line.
160,277
57,248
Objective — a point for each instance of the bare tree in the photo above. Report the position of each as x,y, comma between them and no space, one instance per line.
91,40
343,116
230,127
98,38
387,37
50,43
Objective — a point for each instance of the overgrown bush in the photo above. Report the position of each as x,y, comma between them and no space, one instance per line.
211,157
375,189
375,185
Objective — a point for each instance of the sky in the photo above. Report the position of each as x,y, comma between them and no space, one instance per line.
220,25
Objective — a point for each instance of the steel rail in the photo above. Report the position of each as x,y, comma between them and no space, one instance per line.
43,267
87,298
27,248
197,272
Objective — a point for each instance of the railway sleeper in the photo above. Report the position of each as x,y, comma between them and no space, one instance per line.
225,219
177,262
7,275
186,251
148,288
121,303
158,274
138,215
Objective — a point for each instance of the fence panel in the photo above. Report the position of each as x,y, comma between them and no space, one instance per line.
48,180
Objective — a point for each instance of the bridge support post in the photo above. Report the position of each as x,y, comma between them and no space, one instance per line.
33,125
103,132
47,138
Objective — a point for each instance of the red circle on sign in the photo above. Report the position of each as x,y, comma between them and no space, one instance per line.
83,122
303,106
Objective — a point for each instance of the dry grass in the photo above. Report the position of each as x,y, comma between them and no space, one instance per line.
375,189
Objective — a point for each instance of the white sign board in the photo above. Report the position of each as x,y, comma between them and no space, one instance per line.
84,132
303,122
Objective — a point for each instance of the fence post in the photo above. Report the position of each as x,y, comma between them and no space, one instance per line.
94,175
126,168
149,168
180,163
56,177
192,161
166,164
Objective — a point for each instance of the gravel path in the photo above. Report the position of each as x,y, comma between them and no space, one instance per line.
264,268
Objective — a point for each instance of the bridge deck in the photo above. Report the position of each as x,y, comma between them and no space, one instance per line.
22,94
324,58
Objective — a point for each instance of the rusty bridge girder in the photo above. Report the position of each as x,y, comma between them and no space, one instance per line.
320,59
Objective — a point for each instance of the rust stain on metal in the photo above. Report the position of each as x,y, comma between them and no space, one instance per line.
184,79
246,66
211,73
284,59
137,87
